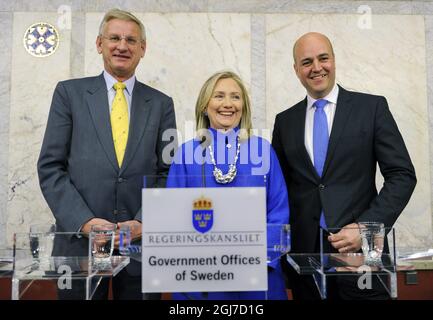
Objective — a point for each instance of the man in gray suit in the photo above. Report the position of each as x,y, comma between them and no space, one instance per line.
88,178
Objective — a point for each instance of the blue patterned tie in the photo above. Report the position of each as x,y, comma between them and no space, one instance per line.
320,143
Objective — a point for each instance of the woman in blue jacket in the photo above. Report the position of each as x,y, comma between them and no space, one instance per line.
226,154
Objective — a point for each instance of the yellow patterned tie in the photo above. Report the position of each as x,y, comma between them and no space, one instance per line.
119,122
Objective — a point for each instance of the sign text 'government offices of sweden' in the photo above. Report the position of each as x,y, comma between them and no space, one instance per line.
211,239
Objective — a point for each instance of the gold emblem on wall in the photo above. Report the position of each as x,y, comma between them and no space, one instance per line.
41,39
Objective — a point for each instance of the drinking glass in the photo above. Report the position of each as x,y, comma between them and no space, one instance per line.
102,242
372,235
41,240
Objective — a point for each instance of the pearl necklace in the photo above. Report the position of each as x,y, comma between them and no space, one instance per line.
231,174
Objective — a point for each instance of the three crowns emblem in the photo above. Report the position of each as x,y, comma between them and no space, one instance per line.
202,214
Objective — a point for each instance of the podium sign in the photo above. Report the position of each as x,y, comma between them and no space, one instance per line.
204,239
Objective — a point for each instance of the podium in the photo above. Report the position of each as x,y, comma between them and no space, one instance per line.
213,240
74,277
324,264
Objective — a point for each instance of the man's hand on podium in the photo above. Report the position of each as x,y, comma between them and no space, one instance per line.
87,227
348,239
134,227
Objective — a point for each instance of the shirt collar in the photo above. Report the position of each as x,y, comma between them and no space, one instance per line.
110,81
331,97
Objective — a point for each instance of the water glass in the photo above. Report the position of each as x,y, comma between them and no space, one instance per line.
102,242
41,239
372,235
124,239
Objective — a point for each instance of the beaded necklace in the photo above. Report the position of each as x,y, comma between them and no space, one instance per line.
231,174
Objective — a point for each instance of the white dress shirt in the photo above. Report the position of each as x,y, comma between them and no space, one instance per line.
309,118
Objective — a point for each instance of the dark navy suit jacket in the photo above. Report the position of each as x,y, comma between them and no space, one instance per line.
363,135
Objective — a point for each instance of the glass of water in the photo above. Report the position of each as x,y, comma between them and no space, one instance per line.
41,239
124,239
373,237
102,243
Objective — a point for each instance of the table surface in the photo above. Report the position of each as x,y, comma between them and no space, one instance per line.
337,263
79,267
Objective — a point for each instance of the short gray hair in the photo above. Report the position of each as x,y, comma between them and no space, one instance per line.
122,15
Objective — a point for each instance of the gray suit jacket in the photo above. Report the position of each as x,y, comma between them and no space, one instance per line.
78,171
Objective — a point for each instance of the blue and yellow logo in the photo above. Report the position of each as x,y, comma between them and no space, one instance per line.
202,215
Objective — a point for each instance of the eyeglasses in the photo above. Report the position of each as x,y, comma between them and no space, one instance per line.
115,39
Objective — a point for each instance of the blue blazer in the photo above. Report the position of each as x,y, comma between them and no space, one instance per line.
257,166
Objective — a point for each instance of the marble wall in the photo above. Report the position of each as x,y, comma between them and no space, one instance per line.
5,72
382,47
183,50
32,82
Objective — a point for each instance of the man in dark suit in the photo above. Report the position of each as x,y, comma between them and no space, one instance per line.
103,135
328,146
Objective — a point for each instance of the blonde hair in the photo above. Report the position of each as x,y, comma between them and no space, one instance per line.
122,15
202,120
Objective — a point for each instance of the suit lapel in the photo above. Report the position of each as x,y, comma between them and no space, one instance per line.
300,140
97,102
140,104
342,113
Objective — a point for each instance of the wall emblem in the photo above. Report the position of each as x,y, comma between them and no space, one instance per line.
41,39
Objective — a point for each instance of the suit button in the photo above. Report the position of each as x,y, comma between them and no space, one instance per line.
120,180
321,186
